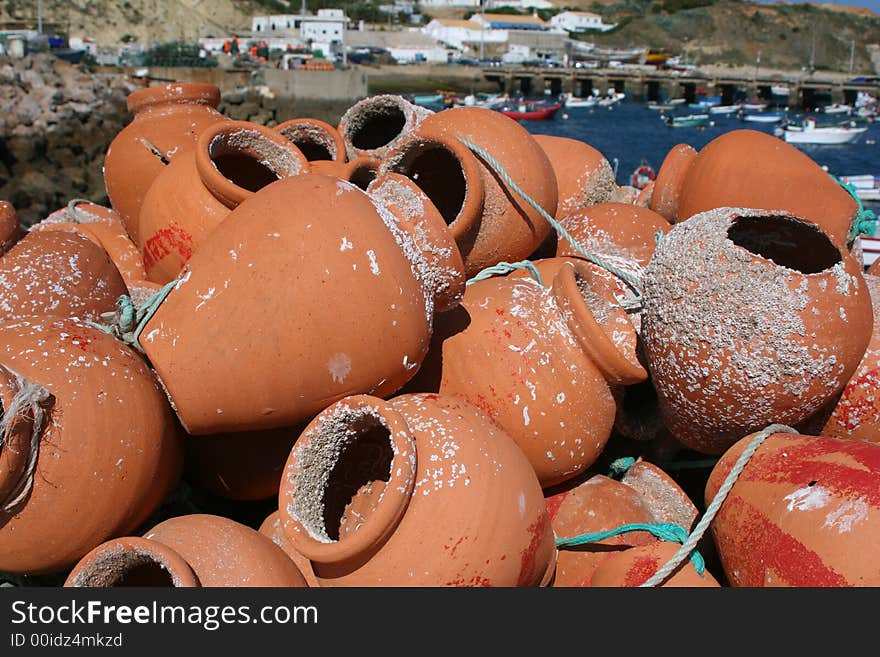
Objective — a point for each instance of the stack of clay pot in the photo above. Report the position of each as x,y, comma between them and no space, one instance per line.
302,315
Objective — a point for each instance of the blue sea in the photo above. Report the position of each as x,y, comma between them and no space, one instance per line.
632,134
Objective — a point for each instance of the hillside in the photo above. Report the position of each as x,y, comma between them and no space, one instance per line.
111,22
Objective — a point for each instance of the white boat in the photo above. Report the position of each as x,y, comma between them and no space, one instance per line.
723,109
837,108
574,101
867,186
779,90
754,107
808,133
774,117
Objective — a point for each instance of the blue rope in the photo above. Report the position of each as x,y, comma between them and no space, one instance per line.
665,531
130,322
865,219
621,466
631,280
503,268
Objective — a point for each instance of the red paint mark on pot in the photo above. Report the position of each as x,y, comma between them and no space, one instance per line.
499,311
554,502
757,545
537,531
642,569
476,580
855,406
166,241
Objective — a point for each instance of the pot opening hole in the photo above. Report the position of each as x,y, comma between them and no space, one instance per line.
145,573
378,126
313,150
786,241
640,400
244,170
362,177
439,175
357,481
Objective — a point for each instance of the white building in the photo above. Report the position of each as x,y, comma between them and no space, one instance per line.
459,34
435,4
580,21
327,26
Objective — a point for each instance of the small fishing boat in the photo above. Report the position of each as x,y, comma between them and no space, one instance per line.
837,108
867,186
689,121
754,107
809,133
574,101
724,109
432,99
531,111
764,117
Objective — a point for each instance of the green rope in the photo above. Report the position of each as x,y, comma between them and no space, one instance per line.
631,280
129,322
505,268
865,220
690,544
621,466
665,531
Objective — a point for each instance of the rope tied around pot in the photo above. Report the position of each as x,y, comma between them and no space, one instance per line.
625,276
665,531
715,505
73,214
34,399
865,220
503,268
671,531
127,322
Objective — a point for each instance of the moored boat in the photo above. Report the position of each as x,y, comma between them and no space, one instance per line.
531,111
689,121
809,133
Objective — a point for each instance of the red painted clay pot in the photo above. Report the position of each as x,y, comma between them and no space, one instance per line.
856,413
239,466
804,512
57,274
10,227
666,193
307,335
375,125
583,175
167,122
541,362
194,550
637,565
627,231
317,141
271,527
109,451
644,495
231,161
360,171
750,318
751,169
104,227
489,221
420,490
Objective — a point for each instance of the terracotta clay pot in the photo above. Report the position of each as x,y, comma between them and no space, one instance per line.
58,274
421,490
489,221
644,495
271,527
104,227
167,122
317,141
109,451
750,318
360,171
195,550
231,161
874,269
805,511
751,169
541,362
856,413
643,200
626,194
666,193
637,565
583,175
359,322
239,466
10,227
375,125
614,229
